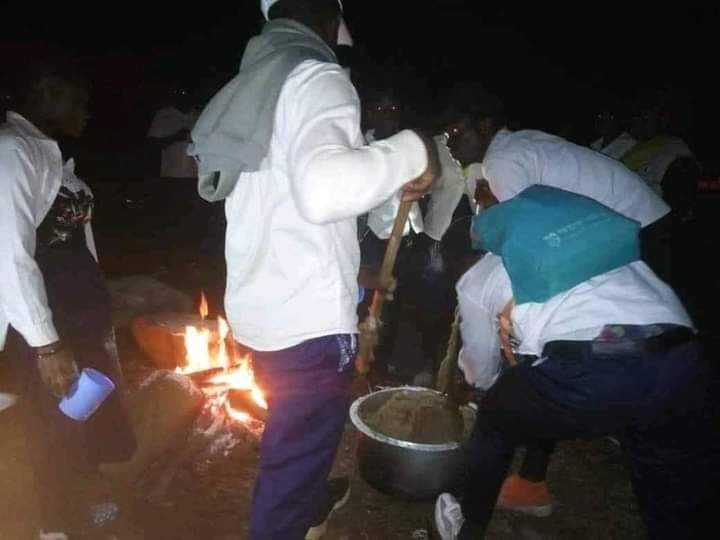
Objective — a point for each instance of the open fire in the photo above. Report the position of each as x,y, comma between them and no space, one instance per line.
230,382
232,414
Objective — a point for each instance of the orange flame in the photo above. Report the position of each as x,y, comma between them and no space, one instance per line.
203,306
240,416
205,351
241,377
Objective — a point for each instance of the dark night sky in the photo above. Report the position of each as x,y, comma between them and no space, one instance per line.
549,62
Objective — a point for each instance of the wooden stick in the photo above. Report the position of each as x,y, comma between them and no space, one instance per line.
448,367
391,251
370,328
446,379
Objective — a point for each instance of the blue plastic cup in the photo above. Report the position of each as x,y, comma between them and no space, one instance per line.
87,394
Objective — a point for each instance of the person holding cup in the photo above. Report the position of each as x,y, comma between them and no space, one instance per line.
55,316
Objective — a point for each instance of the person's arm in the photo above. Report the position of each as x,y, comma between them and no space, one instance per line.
482,293
333,176
484,197
22,289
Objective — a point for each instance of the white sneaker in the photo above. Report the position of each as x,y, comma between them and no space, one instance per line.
7,400
448,517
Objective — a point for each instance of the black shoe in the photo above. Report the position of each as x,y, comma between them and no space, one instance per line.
338,495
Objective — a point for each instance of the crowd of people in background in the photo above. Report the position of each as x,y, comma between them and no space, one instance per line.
639,138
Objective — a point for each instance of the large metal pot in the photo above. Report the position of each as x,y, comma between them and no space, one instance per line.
410,470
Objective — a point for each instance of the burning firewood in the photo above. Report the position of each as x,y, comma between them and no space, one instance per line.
234,411
243,400
162,336
206,376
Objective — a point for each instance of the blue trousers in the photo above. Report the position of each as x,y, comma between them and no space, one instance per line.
308,388
659,406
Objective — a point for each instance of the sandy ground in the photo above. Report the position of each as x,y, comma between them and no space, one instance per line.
590,484
209,500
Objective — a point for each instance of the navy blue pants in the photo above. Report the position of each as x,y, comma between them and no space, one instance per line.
309,390
657,404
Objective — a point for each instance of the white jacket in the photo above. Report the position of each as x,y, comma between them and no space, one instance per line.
382,218
31,173
291,247
517,160
629,295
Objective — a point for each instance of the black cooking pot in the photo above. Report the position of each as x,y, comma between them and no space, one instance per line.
406,469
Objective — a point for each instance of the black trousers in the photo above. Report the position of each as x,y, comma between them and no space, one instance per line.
62,450
408,267
658,404
655,242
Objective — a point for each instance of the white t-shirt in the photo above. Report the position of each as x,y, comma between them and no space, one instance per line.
292,250
517,160
630,295
174,161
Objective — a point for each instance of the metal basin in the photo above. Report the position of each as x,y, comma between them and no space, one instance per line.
403,468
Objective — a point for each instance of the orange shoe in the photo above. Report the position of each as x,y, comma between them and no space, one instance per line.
520,495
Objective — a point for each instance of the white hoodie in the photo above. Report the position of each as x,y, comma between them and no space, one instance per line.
292,250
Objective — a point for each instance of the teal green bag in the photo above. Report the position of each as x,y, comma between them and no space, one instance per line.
551,240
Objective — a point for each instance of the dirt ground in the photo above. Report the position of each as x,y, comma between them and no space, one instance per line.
210,499
589,481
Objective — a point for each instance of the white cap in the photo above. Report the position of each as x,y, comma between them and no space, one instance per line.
344,36
265,6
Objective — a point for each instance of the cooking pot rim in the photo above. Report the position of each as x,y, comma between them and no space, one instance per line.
366,430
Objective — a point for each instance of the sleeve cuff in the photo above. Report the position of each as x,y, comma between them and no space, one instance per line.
39,334
412,148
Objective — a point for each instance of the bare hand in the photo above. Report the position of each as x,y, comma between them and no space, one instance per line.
57,370
418,188
390,289
483,195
